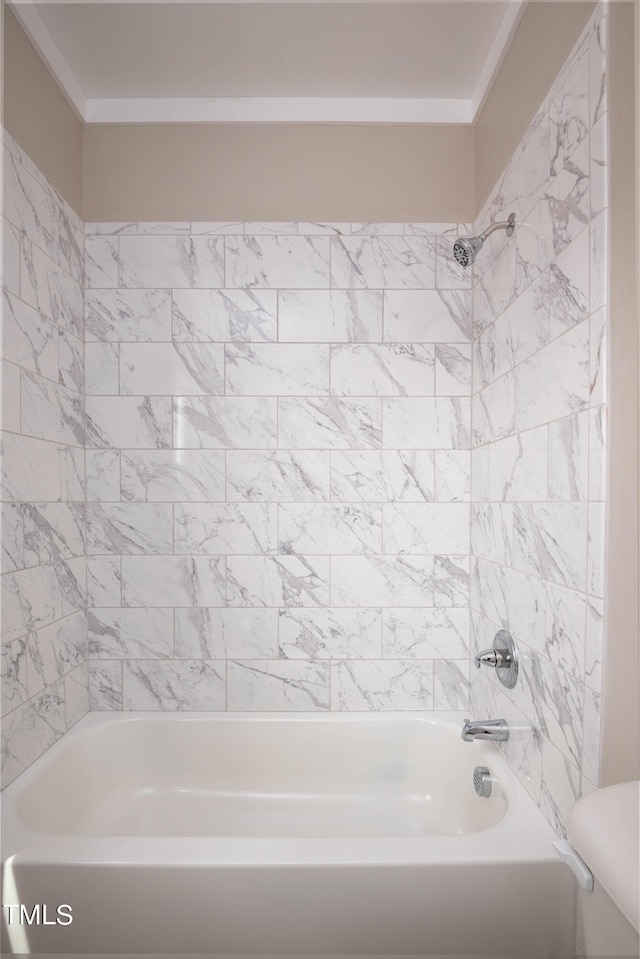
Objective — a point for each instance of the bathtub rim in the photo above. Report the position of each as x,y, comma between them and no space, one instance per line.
521,836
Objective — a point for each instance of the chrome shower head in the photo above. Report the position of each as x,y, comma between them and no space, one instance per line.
466,248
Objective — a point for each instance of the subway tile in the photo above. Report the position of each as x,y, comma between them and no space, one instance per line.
133,528
376,262
373,476
276,369
426,528
170,261
382,580
329,528
329,423
103,475
171,369
101,261
277,580
299,476
165,476
173,684
382,370
336,316
212,633
102,369
225,422
173,580
220,315
291,262
425,633
125,422
225,528
281,685
130,633
427,316
386,684
105,685
316,633
128,315
440,422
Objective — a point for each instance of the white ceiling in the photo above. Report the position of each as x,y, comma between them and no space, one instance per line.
362,61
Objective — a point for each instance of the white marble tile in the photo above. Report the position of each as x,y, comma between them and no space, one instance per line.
598,264
101,261
453,476
449,274
451,684
104,581
225,422
497,286
342,316
260,684
165,476
173,684
383,262
29,206
427,316
12,525
597,453
569,458
47,288
569,112
594,643
55,650
453,369
598,95
11,414
14,675
369,476
425,633
274,228
518,467
130,633
565,629
10,257
51,412
381,581
103,475
151,227
31,729
171,261
559,701
71,362
382,370
225,633
494,411
567,294
323,229
590,766
277,580
385,684
560,787
555,381
134,528
435,229
329,528
222,315
292,262
76,694
127,422
330,633
491,531
128,315
440,422
377,229
426,528
71,576
105,685
28,339
596,563
550,541
451,580
598,348
110,228
329,423
52,531
225,528
277,369
72,474
567,199
171,369
216,226
480,475
173,580
30,469
102,370
278,475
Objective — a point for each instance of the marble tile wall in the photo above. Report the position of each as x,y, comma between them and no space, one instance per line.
278,466
539,434
44,616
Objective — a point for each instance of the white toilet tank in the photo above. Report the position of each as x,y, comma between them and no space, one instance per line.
604,829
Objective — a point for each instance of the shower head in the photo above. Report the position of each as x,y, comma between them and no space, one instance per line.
466,248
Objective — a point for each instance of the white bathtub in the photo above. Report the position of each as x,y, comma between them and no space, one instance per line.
279,834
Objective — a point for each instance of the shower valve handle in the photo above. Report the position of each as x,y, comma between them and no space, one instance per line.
498,658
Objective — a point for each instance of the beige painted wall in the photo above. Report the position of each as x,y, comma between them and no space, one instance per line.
38,115
620,717
542,42
278,172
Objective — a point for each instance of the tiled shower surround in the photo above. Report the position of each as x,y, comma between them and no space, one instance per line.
44,622
538,435
278,489
312,483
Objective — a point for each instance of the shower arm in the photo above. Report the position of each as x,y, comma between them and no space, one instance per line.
508,225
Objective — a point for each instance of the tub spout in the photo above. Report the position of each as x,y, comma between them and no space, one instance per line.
493,729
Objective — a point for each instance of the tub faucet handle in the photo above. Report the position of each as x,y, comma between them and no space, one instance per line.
498,658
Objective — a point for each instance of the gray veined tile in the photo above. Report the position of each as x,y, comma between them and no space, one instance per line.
278,580
14,675
105,685
30,206
382,370
51,412
383,684
30,469
225,422
491,531
10,398
299,476
426,528
594,643
375,262
173,580
493,413
130,634
128,315
425,633
382,580
10,257
329,423
569,458
127,422
225,528
28,339
171,369
329,528
569,112
451,580
151,227
440,422
212,633
165,476
31,729
56,650
427,316
315,633
451,686
372,476
72,474
292,262
171,261
110,228
560,786
173,684
103,475
598,96
104,581
52,531
102,372
76,694
101,261
550,541
71,362
51,291
121,528
555,381
336,316
278,685
223,315
518,467
453,369
12,524
276,369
